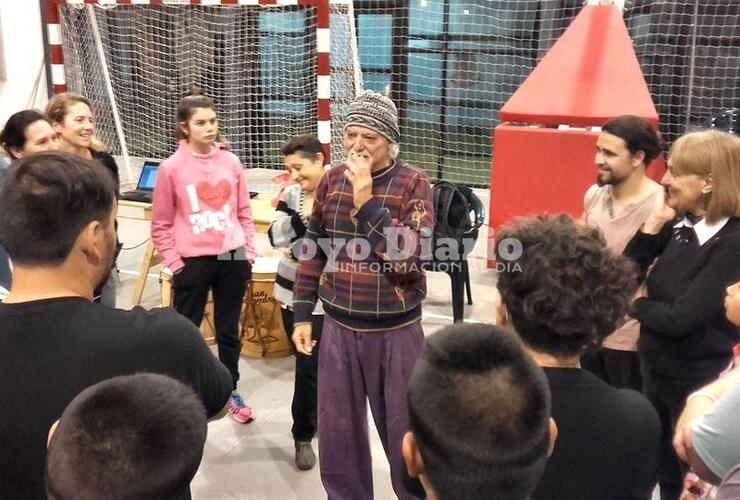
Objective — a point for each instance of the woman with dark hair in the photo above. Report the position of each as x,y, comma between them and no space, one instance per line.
25,133
563,294
71,115
304,159
692,242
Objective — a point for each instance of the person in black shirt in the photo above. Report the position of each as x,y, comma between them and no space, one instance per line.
692,242
564,292
57,226
71,115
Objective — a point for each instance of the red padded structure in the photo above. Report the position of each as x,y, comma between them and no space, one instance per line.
552,176
588,77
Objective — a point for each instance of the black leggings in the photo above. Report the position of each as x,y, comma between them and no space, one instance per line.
227,279
306,370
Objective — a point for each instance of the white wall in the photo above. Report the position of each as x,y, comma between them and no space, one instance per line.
22,49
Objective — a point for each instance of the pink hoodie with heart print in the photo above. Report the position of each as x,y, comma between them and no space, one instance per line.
201,206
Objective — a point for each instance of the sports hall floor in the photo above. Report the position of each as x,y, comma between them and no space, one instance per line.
255,461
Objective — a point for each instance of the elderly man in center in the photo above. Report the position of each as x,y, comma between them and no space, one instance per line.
361,257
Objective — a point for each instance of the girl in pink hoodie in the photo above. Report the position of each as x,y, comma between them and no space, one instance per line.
203,230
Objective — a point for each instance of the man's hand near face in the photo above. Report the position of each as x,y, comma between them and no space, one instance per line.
359,174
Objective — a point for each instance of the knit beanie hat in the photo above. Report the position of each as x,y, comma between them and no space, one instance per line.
376,112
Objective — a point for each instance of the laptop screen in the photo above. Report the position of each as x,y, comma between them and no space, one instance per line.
148,177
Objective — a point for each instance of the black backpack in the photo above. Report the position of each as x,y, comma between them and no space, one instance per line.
451,210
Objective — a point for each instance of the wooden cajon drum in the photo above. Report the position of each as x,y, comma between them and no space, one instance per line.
262,330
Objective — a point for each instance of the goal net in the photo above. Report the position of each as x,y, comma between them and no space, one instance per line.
449,65
259,64
689,51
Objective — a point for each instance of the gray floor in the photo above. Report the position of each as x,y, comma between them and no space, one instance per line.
255,461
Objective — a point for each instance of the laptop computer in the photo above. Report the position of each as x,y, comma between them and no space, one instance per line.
145,187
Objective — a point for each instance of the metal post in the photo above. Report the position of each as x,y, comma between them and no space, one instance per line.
443,92
44,6
109,88
356,70
692,63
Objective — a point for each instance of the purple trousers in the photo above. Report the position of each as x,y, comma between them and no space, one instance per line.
355,367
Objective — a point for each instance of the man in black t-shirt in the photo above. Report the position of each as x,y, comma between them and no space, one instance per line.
57,226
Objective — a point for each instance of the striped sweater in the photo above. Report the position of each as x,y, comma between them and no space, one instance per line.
376,282
285,231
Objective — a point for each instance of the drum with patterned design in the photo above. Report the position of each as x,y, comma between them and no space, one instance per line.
263,333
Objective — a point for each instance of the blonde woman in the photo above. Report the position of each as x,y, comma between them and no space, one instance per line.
692,241
71,115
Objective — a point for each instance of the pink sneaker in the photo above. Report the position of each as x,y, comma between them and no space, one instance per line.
238,410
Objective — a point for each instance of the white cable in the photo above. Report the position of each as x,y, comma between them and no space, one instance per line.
34,95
